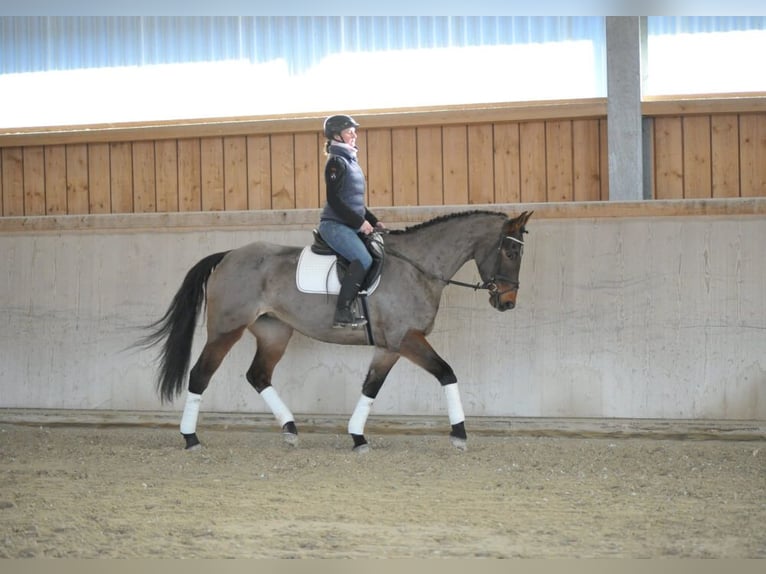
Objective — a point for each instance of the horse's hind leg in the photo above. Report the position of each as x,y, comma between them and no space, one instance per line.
209,360
272,336
381,365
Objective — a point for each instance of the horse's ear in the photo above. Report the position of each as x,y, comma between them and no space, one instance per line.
521,220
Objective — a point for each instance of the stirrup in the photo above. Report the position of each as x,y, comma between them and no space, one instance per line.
347,318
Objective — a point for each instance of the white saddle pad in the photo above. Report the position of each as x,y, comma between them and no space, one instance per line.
317,274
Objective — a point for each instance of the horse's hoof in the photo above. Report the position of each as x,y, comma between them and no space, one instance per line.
290,433
458,443
361,448
193,448
192,442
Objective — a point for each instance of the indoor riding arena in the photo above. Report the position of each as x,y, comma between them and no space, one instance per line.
617,411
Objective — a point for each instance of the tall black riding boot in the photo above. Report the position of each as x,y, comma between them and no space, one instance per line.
349,289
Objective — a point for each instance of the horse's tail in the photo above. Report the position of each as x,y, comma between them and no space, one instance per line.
177,326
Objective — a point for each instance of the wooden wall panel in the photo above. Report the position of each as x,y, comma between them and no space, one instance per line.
720,153
34,181
697,157
55,180
144,180
586,158
532,162
307,194
211,170
507,163
379,169
405,166
455,164
166,157
189,175
752,129
668,158
121,177
12,183
78,201
481,164
430,176
724,144
282,172
99,184
235,173
559,158
259,172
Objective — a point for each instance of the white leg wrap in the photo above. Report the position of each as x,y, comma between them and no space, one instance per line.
280,410
359,418
191,413
454,406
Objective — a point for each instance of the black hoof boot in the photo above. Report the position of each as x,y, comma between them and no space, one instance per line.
290,433
360,443
192,442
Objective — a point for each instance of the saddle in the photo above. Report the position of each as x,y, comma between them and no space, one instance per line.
315,272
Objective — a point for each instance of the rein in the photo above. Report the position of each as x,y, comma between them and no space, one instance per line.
488,285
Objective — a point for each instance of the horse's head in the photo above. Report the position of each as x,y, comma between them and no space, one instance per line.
499,268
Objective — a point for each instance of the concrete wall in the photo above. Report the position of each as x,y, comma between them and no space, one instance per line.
638,316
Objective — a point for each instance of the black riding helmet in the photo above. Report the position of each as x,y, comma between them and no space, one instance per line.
336,124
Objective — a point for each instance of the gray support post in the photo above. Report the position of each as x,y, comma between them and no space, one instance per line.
624,127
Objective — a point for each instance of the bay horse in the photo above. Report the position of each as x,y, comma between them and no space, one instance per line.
253,288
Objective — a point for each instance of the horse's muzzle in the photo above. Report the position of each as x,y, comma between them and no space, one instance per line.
503,300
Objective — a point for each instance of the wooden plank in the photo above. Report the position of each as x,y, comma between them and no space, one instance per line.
144,179
34,180
235,173
532,161
189,175
55,180
559,169
12,163
752,129
604,159
380,168
429,155
259,172
166,168
586,159
78,201
307,189
696,157
405,168
299,123
282,172
121,177
455,146
481,164
724,145
507,163
211,170
668,158
99,184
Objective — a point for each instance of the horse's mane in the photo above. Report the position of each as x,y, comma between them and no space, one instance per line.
442,218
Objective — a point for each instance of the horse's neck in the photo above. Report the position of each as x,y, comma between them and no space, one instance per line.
443,248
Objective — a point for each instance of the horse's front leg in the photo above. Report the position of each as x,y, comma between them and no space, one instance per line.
382,363
418,350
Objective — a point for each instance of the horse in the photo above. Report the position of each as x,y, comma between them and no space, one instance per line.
253,288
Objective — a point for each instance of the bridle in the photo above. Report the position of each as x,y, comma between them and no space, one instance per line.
516,248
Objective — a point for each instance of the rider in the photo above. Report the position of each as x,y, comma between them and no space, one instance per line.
345,218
